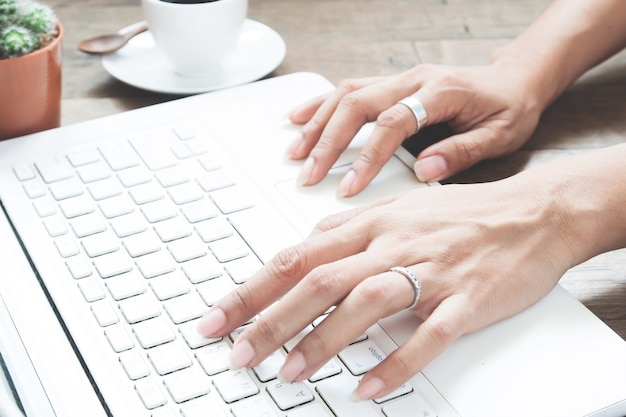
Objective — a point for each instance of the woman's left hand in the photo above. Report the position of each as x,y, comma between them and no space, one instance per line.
481,252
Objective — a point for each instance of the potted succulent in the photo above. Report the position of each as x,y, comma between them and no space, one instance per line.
30,68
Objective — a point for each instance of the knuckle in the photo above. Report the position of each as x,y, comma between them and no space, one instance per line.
468,151
370,293
440,332
391,118
268,331
347,86
322,281
288,263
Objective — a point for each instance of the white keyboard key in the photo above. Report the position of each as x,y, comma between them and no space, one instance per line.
125,285
66,246
119,155
93,172
172,176
168,358
134,365
194,339
197,146
34,189
55,226
128,224
214,358
159,210
336,392
331,368
44,207
268,369
154,152
112,264
172,229
169,285
54,169
185,193
136,175
256,406
229,248
214,290
118,338
80,157
91,290
202,269
235,385
76,206
24,172
214,180
184,308
184,130
199,210
288,396
242,269
230,200
309,410
361,357
106,188
150,393
70,187
78,267
214,229
142,243
88,224
403,389
104,313
100,244
146,193
116,206
155,264
198,407
153,332
209,163
187,248
412,404
139,308
186,384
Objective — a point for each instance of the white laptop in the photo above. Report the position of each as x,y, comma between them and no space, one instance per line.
118,233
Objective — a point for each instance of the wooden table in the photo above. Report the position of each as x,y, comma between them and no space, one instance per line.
352,38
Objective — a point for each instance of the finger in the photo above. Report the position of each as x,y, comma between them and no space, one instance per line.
278,276
316,121
374,298
304,112
446,323
457,153
392,127
322,288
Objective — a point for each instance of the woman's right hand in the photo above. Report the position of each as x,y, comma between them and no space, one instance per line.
491,110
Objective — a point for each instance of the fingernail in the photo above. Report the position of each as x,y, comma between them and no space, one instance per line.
212,322
294,146
307,171
346,183
241,355
431,168
368,388
292,368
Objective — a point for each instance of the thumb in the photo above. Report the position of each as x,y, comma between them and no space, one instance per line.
455,154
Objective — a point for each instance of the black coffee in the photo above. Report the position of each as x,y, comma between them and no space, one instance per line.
189,1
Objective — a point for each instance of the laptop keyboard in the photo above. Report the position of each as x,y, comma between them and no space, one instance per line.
149,229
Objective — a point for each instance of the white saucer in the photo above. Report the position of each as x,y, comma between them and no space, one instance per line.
141,64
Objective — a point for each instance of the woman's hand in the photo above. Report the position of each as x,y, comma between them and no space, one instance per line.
481,252
491,110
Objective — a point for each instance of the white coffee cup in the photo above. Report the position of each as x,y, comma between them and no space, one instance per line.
196,38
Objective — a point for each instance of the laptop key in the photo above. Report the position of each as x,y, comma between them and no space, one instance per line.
413,404
186,384
168,358
150,393
134,365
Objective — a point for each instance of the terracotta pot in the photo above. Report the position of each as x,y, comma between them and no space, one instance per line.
30,91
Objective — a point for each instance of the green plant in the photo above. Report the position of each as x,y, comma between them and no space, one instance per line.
25,25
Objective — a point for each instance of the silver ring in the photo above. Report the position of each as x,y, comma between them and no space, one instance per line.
418,110
417,285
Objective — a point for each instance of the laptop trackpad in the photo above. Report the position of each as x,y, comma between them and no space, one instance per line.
313,203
